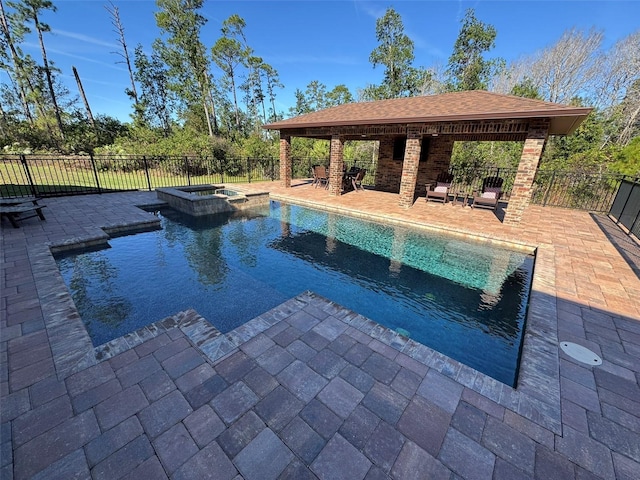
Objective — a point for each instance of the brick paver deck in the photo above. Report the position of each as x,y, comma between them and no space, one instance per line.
310,389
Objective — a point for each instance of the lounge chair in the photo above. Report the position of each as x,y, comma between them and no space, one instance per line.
15,209
490,195
439,191
320,176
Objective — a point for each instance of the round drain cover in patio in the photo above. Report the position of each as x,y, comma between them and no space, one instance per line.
580,353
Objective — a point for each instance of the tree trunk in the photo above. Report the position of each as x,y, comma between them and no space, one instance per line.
213,105
203,92
84,98
206,114
626,134
47,71
115,21
4,120
16,65
235,101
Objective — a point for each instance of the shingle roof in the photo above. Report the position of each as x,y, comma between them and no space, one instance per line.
456,106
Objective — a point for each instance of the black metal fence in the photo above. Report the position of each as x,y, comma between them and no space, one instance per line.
583,191
470,179
626,206
50,175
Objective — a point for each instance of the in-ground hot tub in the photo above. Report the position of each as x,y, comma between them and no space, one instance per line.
199,200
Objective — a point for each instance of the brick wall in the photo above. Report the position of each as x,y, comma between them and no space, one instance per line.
438,161
388,171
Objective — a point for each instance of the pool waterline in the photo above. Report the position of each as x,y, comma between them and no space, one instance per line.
339,260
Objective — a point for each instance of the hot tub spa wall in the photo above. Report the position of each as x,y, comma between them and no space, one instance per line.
183,200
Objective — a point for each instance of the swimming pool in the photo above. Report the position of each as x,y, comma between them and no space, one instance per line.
461,298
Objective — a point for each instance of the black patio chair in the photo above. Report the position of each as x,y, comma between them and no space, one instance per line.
490,195
439,191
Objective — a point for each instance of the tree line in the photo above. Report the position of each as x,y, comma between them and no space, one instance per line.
188,97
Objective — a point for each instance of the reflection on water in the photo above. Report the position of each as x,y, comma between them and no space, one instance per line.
418,289
111,309
460,298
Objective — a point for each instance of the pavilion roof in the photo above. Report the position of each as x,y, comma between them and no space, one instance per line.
446,107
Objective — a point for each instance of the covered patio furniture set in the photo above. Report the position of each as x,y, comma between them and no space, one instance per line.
443,190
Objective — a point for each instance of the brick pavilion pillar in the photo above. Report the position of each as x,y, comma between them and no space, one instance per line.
523,183
285,161
410,167
336,167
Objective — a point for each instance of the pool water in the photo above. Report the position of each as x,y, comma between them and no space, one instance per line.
216,191
464,299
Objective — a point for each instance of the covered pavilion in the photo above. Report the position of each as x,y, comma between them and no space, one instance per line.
416,137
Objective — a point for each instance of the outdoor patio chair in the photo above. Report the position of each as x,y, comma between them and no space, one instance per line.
357,179
320,176
440,190
490,195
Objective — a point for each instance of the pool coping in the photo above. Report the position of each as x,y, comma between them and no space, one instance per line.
536,397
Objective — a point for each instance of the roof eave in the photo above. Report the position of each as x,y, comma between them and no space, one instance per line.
579,113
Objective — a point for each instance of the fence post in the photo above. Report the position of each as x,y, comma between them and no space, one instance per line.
146,170
636,184
32,186
186,168
548,192
95,172
248,169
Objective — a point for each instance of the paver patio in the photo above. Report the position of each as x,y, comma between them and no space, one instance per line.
311,389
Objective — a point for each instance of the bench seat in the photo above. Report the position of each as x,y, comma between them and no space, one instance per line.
15,213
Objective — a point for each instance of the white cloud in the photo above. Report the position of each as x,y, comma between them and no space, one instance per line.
84,38
86,59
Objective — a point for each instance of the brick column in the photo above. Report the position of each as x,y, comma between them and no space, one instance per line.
336,167
523,183
285,161
410,168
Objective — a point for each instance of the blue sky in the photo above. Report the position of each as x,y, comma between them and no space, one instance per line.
329,40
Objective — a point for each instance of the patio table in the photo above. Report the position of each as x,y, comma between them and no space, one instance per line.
459,196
